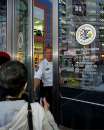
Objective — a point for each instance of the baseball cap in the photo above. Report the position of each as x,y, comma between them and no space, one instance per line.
4,57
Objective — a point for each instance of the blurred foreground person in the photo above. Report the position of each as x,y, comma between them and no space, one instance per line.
13,110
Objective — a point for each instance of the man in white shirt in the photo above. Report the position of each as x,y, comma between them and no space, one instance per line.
45,73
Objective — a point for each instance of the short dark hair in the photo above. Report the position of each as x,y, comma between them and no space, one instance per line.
13,76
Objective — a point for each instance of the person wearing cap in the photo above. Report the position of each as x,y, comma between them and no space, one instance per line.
13,109
4,57
45,73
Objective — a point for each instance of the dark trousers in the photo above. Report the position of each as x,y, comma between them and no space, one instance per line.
52,97
47,93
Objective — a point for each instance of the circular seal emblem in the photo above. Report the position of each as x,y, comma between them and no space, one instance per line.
85,34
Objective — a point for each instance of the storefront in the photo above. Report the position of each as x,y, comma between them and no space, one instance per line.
81,62
25,31
74,29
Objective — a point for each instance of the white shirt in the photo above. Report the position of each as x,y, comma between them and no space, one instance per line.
13,116
45,72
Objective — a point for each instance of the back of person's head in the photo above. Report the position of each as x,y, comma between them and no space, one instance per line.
4,57
13,76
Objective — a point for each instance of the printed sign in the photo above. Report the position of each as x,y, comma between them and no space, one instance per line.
85,34
20,40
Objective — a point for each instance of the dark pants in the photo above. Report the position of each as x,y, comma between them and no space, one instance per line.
47,93
52,97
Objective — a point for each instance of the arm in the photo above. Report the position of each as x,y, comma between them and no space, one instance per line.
36,83
37,77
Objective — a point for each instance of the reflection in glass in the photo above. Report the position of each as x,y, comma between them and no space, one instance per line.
21,25
82,65
38,35
3,24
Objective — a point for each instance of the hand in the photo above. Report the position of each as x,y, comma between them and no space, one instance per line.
44,104
61,81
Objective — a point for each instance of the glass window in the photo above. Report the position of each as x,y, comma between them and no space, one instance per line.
81,44
3,24
21,32
39,28
42,22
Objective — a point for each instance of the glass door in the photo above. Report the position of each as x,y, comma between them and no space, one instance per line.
3,25
20,43
39,39
81,44
22,37
81,61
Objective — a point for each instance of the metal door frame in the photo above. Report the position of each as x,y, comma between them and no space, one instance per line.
11,39
56,101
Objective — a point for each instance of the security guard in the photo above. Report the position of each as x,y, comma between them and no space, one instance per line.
45,73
